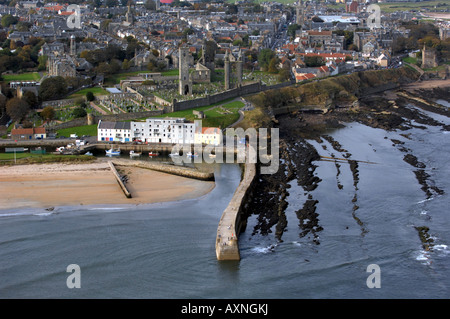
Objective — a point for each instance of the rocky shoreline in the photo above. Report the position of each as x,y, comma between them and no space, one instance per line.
394,110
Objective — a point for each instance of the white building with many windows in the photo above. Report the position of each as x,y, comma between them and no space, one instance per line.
113,131
168,130
164,130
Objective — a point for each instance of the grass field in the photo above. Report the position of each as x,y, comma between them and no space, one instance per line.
31,76
220,114
79,130
407,6
82,93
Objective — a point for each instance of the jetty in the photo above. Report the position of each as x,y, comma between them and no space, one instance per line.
119,179
231,223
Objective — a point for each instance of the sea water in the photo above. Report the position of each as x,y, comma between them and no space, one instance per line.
167,250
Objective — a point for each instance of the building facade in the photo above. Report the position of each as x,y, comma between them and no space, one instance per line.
168,130
114,131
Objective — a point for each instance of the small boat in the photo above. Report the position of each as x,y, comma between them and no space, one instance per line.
174,155
134,154
189,154
113,152
153,154
212,155
88,153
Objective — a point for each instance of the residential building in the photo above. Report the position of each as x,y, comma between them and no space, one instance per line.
28,133
114,131
208,135
164,130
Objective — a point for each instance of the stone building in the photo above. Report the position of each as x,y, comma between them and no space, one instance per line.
201,73
61,66
230,76
185,82
429,58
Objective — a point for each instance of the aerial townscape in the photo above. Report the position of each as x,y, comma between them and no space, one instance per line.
101,92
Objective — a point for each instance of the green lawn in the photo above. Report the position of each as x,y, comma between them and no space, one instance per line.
170,72
30,76
82,93
416,6
115,78
225,114
79,130
410,60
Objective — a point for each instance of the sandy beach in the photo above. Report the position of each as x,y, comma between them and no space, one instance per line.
52,185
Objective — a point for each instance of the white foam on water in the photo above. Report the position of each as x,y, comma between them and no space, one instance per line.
263,250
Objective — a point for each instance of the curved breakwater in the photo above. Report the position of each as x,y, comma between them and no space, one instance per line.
231,224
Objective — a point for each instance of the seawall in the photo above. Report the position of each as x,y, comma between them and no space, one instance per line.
231,223
119,180
170,169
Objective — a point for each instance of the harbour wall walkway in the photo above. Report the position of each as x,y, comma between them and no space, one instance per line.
232,222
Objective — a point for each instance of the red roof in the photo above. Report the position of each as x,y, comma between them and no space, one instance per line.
53,8
306,76
28,131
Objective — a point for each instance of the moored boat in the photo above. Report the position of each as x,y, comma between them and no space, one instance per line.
113,152
190,154
134,154
153,154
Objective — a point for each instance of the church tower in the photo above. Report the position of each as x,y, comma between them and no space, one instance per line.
129,15
184,82
73,46
299,13
239,68
227,68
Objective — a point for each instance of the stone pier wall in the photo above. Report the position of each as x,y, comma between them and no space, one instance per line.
230,224
165,168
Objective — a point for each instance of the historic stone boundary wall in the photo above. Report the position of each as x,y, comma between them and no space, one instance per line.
111,117
229,94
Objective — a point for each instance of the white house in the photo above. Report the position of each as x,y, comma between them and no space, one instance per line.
208,135
169,130
113,131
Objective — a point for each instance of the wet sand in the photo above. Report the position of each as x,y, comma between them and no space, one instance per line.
52,185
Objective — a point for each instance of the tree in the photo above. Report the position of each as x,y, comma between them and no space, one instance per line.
291,30
8,19
273,65
90,96
314,61
284,75
48,113
264,57
17,109
52,88
30,98
79,112
2,105
42,62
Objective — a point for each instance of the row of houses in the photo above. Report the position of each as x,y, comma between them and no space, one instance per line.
167,130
